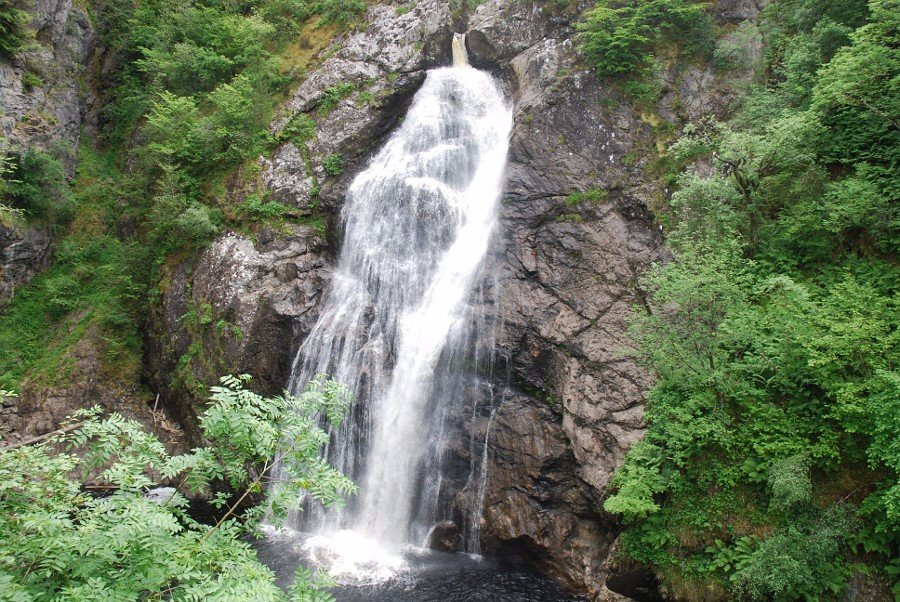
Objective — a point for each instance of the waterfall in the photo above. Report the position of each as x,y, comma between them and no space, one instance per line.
460,57
397,322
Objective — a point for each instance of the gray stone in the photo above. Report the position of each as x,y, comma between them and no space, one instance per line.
23,252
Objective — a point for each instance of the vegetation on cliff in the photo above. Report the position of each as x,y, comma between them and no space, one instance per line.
12,27
771,462
189,103
78,523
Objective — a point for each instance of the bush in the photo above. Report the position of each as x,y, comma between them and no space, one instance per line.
734,52
300,127
333,164
772,334
618,37
256,209
38,186
333,95
30,81
59,542
180,222
341,12
12,27
799,562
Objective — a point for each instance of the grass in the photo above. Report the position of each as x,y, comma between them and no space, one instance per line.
593,195
86,293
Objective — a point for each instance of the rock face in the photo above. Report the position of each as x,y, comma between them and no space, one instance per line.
355,97
43,99
575,237
44,102
22,254
238,308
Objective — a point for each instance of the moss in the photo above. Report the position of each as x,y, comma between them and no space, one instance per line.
569,217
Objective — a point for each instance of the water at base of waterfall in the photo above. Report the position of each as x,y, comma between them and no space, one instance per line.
371,574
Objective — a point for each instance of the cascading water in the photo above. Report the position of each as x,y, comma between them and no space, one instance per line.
397,320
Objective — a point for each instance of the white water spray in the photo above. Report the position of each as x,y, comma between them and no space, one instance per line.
417,226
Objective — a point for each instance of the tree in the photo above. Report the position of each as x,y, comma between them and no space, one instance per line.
60,542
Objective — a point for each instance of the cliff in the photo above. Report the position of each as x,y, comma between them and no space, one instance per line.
576,235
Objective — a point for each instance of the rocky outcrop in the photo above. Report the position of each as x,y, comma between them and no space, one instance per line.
23,252
237,308
44,100
44,90
355,97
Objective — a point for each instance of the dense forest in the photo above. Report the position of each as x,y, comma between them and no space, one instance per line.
770,466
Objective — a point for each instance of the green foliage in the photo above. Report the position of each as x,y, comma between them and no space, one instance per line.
789,482
799,562
93,287
90,281
180,136
301,127
771,450
36,184
333,164
858,93
733,52
30,81
619,37
198,81
333,95
9,215
593,195
60,543
256,209
341,12
12,27
177,220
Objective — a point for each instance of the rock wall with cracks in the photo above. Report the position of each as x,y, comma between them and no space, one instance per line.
568,267
46,110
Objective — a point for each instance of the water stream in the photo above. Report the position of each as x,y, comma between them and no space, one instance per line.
402,315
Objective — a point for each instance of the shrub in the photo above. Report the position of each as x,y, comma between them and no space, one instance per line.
772,333
789,482
60,542
255,208
734,51
593,195
30,81
300,127
333,164
341,12
38,186
799,562
12,27
333,95
619,36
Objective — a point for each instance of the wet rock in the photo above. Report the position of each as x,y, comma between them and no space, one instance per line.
445,537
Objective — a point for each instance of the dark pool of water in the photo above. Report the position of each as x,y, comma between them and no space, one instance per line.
429,576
